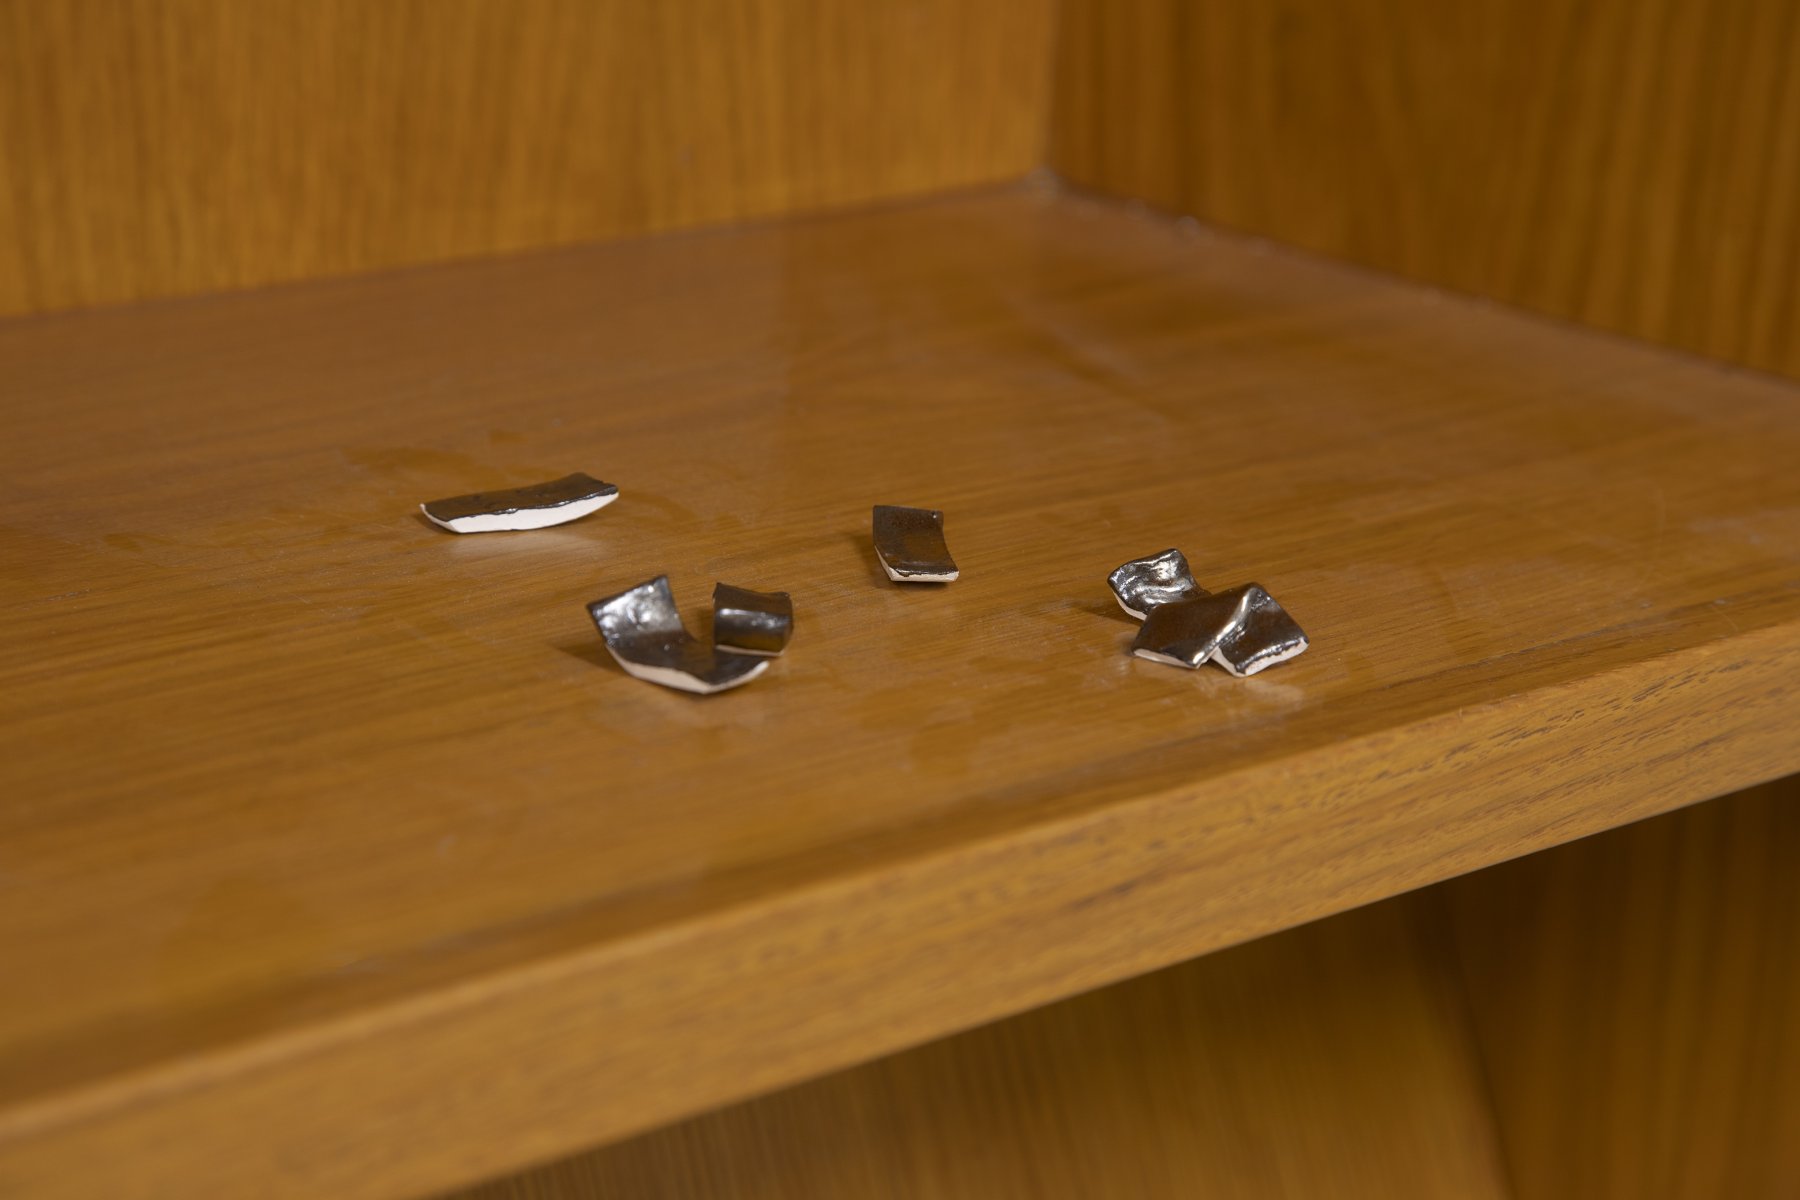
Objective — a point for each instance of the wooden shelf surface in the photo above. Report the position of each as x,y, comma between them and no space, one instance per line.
337,858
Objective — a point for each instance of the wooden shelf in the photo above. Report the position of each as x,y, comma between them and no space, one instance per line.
338,859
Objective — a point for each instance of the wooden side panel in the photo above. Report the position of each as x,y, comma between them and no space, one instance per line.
155,147
1632,164
1332,1061
1638,1000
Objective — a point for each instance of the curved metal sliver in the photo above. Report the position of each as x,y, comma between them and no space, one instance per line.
537,506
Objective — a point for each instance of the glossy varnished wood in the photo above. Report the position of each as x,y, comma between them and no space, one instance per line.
1331,1061
338,841
1633,164
159,147
1636,997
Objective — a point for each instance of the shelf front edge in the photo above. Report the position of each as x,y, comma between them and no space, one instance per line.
615,1037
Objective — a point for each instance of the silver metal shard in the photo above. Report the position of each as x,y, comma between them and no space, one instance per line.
537,506
643,630
1185,633
1263,635
1243,629
1143,583
747,622
910,544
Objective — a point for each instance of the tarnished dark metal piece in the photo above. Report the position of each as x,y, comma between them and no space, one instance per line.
1263,635
1143,583
1243,629
1186,633
643,629
910,543
535,507
747,622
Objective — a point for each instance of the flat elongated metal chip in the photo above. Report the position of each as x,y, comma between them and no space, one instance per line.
643,630
910,544
1143,583
1263,635
747,622
537,506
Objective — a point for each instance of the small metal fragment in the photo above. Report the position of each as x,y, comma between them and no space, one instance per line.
1185,633
1143,583
910,544
537,506
643,630
747,622
1263,635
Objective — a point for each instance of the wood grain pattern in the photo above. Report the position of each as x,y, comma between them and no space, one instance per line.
1636,996
161,147
337,840
1631,164
1333,1061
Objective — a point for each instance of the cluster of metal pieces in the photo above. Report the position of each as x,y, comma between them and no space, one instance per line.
644,632
1242,629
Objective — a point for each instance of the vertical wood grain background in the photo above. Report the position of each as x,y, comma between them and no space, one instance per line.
156,147
1630,164
1637,1000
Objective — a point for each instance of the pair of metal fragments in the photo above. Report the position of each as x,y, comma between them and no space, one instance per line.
1242,629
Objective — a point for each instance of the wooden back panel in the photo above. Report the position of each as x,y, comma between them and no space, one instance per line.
158,147
1632,164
